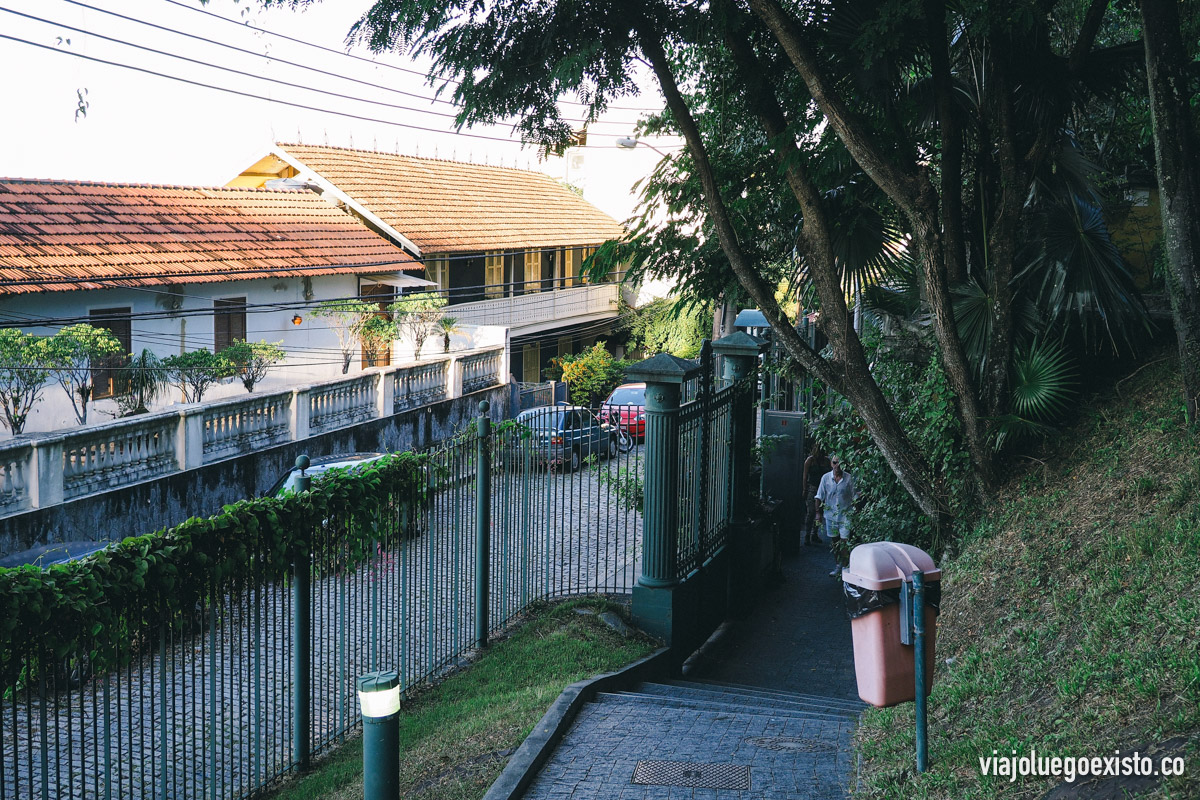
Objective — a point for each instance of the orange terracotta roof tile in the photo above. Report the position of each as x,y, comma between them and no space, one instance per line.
452,207
64,235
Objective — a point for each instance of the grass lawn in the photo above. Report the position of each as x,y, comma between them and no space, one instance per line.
1070,618
456,737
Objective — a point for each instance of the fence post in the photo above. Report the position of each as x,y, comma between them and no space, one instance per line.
48,469
189,444
454,378
654,597
483,522
751,546
385,393
740,356
301,413
301,638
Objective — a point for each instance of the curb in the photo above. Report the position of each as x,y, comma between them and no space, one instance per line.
545,736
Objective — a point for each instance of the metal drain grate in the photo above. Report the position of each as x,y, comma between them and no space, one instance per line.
691,775
792,744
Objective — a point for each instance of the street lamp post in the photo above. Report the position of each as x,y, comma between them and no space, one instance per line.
628,143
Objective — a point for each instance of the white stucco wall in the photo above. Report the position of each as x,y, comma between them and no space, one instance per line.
312,347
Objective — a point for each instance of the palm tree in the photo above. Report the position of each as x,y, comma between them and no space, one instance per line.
447,325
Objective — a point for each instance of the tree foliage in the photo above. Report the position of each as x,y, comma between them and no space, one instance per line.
145,380
24,369
827,145
73,354
666,326
196,371
417,316
251,361
351,322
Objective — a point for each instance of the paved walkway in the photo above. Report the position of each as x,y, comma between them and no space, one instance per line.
765,712
797,638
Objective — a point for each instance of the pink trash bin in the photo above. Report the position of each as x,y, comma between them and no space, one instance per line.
884,666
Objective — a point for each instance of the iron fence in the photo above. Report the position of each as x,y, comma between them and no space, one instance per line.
221,689
704,464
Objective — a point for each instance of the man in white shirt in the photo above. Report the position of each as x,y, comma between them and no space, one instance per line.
835,499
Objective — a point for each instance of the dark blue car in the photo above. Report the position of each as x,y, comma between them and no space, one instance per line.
566,435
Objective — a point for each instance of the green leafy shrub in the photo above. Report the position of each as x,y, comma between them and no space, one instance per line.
74,353
196,371
251,361
922,399
591,375
105,605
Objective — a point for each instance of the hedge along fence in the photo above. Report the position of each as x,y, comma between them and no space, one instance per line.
95,606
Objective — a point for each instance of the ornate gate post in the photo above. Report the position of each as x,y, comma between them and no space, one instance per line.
741,351
653,597
751,544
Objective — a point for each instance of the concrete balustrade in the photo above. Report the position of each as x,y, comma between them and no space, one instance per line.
47,469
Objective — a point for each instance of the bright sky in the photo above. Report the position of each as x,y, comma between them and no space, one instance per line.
144,128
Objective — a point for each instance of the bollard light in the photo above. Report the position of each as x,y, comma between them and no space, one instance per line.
379,700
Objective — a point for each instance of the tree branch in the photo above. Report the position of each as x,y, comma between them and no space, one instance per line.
900,182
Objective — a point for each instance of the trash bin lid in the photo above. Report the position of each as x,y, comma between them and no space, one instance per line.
885,565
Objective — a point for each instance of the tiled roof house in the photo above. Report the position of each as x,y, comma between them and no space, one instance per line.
506,245
175,268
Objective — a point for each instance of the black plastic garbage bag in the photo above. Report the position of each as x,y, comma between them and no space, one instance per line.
860,601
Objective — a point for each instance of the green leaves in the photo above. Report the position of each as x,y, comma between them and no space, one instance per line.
24,367
194,372
106,603
252,360
592,374
1043,382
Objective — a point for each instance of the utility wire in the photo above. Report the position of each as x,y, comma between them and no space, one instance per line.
256,54
373,62
262,272
253,96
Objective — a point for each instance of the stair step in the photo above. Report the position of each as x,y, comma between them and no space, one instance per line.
637,699
756,691
765,704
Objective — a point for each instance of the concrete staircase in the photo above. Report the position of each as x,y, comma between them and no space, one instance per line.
704,739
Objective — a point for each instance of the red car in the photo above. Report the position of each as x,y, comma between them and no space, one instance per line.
626,406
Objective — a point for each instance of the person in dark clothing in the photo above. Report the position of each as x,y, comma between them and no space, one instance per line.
815,466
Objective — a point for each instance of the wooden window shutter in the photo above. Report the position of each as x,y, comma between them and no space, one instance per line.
229,322
107,377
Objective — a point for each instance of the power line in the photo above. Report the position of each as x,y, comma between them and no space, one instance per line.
360,58
46,278
242,73
255,54
253,96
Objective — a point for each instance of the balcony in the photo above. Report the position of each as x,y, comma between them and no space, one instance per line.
538,311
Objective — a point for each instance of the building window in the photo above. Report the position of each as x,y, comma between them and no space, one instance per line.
382,295
108,377
531,363
494,274
533,271
229,322
437,269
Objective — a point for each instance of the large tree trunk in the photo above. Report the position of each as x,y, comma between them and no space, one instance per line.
1178,181
912,190
849,376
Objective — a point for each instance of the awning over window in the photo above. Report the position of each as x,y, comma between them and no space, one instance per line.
398,279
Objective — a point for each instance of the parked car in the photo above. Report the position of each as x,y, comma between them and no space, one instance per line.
320,465
626,406
566,435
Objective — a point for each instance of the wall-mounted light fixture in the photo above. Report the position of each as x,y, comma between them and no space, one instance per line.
296,320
